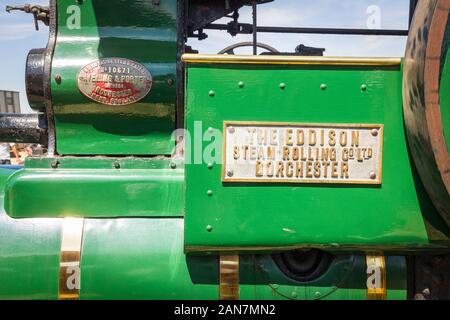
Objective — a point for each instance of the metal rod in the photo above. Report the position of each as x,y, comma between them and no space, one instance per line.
255,31
378,32
412,9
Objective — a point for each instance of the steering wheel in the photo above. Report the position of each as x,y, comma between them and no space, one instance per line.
230,49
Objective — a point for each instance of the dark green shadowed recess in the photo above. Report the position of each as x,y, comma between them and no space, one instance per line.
395,215
444,90
139,31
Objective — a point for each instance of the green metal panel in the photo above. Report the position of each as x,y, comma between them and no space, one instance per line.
137,30
444,90
29,255
93,187
396,215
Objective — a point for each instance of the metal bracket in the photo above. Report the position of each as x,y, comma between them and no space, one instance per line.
229,277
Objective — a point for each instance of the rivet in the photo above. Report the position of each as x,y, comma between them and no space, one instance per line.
282,86
212,93
363,87
210,166
275,286
373,175
54,164
170,82
231,130
317,294
230,173
241,84
173,165
117,164
58,79
209,228
210,129
294,294
323,86
209,193
79,1
374,132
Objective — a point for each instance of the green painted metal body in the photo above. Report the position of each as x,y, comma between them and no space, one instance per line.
444,90
140,31
143,258
96,187
397,214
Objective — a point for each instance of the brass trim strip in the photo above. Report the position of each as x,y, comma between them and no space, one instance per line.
69,265
229,277
376,277
289,60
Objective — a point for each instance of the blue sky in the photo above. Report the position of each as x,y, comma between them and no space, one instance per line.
17,34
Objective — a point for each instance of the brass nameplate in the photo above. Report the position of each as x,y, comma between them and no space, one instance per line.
272,152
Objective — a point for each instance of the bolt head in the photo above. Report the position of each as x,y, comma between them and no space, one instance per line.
210,166
54,164
294,294
209,228
323,86
209,193
117,164
58,78
374,132
230,173
373,175
173,165
231,130
282,86
363,87
241,84
212,93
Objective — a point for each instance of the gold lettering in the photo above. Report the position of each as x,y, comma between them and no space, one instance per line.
274,137
332,138
280,170
295,154
290,169
326,164
334,173
289,133
259,169
322,138
261,153
344,154
271,153
302,154
245,149
309,169
262,137
333,154
317,169
312,137
310,156
286,153
251,132
253,153
299,169
325,154
270,169
300,137
355,138
343,138
344,170
236,152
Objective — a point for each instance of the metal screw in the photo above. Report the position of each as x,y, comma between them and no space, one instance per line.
363,87
54,164
117,164
374,132
209,193
58,79
282,86
323,86
173,165
231,130
230,173
209,228
241,84
373,175
212,93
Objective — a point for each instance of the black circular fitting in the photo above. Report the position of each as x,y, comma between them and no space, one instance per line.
303,265
34,79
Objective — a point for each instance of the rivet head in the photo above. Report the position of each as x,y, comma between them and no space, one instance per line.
210,166
282,86
209,228
54,164
231,130
58,78
363,87
241,84
275,286
317,294
230,173
117,164
209,193
373,175
374,132
294,294
170,82
323,86
173,165
211,93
